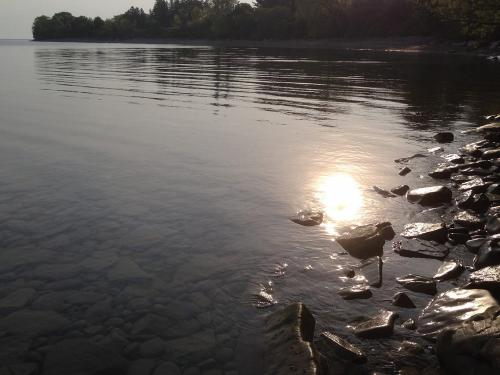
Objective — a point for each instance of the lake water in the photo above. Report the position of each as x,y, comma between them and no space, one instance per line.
146,190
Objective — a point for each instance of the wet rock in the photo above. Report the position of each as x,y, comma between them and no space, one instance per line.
401,299
430,196
409,324
366,241
488,255
468,220
454,158
379,326
491,154
492,127
475,244
493,225
465,200
480,203
415,248
444,137
476,185
435,150
458,237
410,347
452,308
194,348
371,269
127,270
426,231
16,300
400,190
349,272
308,218
419,284
342,348
485,278
82,356
441,173
404,171
448,270
472,348
152,348
382,192
355,292
473,149
33,323
289,335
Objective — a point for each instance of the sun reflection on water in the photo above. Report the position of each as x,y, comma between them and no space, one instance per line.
341,200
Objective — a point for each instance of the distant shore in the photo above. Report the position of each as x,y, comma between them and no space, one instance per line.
403,44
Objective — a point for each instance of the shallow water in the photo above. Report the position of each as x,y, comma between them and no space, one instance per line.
189,161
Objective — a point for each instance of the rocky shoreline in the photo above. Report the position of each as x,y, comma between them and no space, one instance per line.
462,324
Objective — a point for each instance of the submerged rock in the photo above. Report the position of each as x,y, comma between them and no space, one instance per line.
401,299
426,231
472,348
382,192
371,269
400,190
379,326
419,284
430,196
308,218
448,270
485,278
366,241
415,248
452,308
444,137
355,292
342,348
404,171
289,335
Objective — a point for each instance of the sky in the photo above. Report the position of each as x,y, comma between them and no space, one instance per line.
16,16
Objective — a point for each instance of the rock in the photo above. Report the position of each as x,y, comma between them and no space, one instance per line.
54,272
472,348
33,323
488,255
492,127
486,278
355,292
476,185
400,190
493,225
167,368
14,349
342,348
452,308
468,220
371,269
404,171
16,300
82,356
430,196
98,264
454,158
448,270
475,244
419,284
401,299
435,150
458,237
480,203
415,248
379,326
142,367
409,324
366,241
383,192
465,200
289,335
410,347
426,231
444,137
308,218
407,159
152,348
127,270
441,173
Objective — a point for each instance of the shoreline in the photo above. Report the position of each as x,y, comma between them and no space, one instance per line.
396,44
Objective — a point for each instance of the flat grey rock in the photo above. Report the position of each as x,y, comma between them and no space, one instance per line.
426,231
430,196
415,248
379,326
418,284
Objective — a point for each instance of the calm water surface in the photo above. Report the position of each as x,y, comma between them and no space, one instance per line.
161,179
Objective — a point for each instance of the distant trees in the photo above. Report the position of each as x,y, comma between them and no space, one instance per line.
284,19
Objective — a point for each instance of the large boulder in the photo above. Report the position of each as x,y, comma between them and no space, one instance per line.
426,231
366,241
430,196
452,308
472,348
289,337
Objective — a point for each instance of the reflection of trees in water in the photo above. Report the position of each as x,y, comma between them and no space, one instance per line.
426,90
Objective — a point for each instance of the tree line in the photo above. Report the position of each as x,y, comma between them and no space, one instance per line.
284,19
